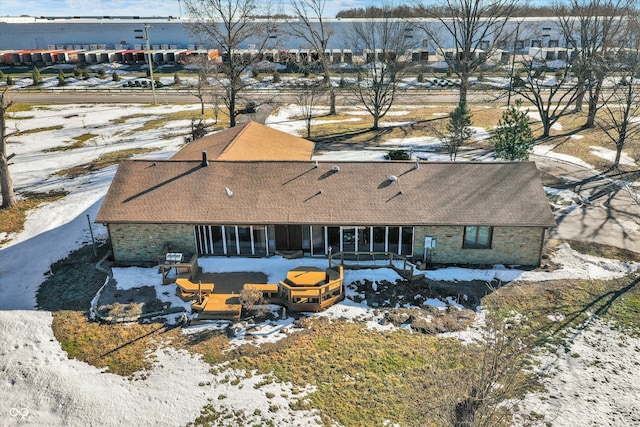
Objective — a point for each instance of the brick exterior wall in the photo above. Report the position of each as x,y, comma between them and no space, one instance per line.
144,242
510,245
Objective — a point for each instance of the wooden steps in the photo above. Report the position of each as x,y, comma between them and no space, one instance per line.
218,306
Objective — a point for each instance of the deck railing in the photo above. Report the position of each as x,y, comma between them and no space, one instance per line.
374,260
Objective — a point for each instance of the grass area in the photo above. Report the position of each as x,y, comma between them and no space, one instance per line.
39,130
12,220
105,160
77,142
163,119
18,107
604,251
122,349
72,282
574,301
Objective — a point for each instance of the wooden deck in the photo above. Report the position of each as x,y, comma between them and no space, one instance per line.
218,306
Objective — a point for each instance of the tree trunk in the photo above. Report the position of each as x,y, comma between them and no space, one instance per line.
8,196
464,87
616,161
332,102
593,106
376,119
579,99
546,128
232,110
6,183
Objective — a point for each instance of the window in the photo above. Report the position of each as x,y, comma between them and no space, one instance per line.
554,43
407,241
379,239
536,43
477,237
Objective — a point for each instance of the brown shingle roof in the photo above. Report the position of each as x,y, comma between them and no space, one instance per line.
249,141
360,193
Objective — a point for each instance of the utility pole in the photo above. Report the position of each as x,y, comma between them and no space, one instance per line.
149,61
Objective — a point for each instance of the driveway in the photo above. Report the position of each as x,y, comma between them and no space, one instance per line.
609,212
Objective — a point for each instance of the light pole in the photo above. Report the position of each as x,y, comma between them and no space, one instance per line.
150,62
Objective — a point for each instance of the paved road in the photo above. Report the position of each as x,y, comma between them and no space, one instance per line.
174,97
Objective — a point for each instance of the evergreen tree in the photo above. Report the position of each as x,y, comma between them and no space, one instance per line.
35,75
459,129
9,81
61,79
1,75
115,77
176,79
513,139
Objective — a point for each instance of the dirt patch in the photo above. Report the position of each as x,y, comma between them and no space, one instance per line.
386,294
129,303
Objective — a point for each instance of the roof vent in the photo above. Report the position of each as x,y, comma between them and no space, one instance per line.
336,168
205,162
393,178
417,166
228,191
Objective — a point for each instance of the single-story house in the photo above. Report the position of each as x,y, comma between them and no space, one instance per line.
442,212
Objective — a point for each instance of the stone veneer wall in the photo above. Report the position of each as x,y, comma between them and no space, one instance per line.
144,242
510,245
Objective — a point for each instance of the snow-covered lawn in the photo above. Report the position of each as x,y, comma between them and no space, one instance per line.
41,386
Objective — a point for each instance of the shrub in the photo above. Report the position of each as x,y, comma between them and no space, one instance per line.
398,155
115,77
85,74
35,75
1,75
9,81
420,77
513,139
255,73
306,72
343,83
61,79
101,72
158,83
77,72
176,79
276,77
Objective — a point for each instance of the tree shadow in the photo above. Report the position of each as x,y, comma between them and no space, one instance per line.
598,307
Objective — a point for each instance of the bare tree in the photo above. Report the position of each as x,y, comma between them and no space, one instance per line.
233,26
484,391
475,28
551,92
384,46
593,28
203,67
6,183
308,95
309,25
621,106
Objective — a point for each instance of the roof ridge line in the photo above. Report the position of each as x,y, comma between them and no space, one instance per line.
234,139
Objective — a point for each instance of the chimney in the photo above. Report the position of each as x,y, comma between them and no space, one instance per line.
205,162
